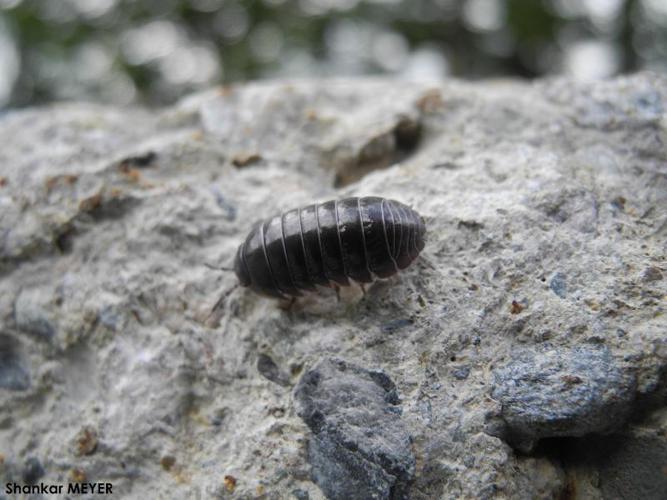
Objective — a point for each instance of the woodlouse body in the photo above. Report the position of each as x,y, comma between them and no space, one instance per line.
329,243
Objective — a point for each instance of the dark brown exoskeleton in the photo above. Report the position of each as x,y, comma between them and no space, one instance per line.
329,243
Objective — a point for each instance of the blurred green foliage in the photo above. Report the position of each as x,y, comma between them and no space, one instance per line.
154,51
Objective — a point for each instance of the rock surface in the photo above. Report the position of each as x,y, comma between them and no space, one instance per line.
546,208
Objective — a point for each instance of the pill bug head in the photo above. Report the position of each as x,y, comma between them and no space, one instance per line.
241,269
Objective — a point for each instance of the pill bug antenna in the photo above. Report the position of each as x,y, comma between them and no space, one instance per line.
219,268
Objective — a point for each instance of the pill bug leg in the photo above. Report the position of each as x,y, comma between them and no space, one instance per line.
286,305
223,296
217,307
337,290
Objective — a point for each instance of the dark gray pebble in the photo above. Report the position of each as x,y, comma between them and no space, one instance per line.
651,273
395,325
461,373
558,285
560,392
268,368
300,494
32,317
360,449
32,471
13,375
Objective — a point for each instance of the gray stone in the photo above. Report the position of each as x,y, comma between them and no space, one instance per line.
110,219
651,273
13,374
32,471
561,392
461,373
300,494
268,368
395,325
32,316
558,285
360,449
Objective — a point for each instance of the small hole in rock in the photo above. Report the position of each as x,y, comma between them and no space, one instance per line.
65,241
381,152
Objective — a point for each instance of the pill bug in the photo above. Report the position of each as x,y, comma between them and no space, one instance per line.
328,244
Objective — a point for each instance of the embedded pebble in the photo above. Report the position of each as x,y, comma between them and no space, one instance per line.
395,325
13,374
461,373
558,285
360,449
651,273
33,471
268,368
300,494
560,392
31,315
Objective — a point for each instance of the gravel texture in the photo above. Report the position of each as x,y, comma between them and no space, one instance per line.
532,325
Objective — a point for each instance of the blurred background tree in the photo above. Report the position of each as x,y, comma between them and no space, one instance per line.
154,51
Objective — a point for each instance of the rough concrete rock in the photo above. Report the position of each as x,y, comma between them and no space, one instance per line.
546,208
561,392
360,449
626,465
